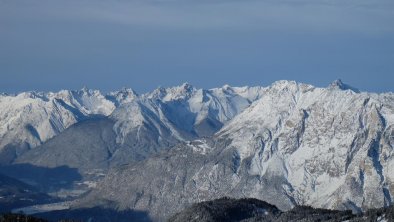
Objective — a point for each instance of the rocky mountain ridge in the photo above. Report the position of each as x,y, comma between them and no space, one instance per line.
296,145
29,119
287,144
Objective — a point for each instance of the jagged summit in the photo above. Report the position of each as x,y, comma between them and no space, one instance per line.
288,143
85,89
187,86
294,144
283,83
226,87
128,90
184,89
171,93
125,95
32,95
199,106
182,111
338,84
290,85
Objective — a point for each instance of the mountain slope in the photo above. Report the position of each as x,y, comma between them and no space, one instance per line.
248,209
227,209
323,142
85,145
297,144
143,126
31,118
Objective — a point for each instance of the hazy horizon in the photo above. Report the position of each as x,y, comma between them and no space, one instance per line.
186,82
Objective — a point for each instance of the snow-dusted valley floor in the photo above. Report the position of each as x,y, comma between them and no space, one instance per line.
288,144
42,208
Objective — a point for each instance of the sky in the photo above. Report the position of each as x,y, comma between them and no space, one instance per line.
48,45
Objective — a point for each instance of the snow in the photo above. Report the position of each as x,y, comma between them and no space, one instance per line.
44,208
32,118
178,110
309,135
382,219
199,146
35,117
317,139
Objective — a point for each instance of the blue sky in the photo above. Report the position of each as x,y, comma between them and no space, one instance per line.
142,44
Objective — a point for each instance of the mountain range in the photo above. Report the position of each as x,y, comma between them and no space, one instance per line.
288,144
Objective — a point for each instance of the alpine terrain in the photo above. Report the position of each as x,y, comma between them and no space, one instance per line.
287,144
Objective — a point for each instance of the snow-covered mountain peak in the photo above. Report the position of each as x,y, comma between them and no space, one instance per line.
89,101
128,91
158,93
338,84
227,87
287,85
179,92
186,86
31,118
183,91
183,112
231,90
30,95
85,91
289,143
187,112
125,95
318,139
283,84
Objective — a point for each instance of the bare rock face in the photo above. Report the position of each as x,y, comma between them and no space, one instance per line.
295,145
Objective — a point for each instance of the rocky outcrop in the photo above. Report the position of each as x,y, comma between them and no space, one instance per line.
296,145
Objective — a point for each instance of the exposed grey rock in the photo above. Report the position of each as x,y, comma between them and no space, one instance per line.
296,145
